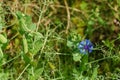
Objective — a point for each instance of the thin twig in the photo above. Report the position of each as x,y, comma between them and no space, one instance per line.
48,33
23,72
70,8
43,10
15,36
45,41
10,60
101,59
68,16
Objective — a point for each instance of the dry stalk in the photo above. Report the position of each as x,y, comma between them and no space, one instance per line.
68,16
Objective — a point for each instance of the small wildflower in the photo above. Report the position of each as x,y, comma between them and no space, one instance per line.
85,46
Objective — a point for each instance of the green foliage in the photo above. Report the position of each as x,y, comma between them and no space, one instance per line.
39,40
2,39
94,74
76,57
25,23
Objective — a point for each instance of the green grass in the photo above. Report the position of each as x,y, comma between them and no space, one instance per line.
39,40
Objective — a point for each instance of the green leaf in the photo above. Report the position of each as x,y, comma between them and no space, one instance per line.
90,22
83,5
32,27
2,39
26,58
25,22
37,43
101,21
38,36
37,46
76,57
94,74
1,53
25,44
1,24
30,24
118,2
84,60
69,44
38,72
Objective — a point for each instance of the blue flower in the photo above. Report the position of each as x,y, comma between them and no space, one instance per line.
85,46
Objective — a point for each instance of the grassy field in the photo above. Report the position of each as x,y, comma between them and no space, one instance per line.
59,40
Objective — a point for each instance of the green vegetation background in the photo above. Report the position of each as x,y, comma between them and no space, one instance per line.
39,39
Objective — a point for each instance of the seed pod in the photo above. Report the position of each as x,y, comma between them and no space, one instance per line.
2,39
25,45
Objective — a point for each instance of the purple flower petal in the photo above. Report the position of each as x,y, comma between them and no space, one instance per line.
85,46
